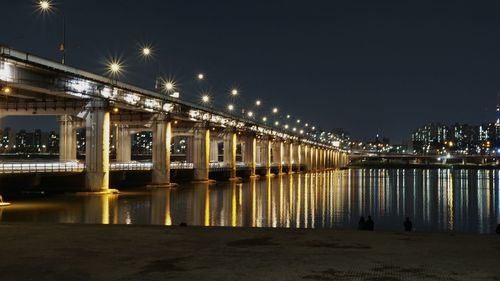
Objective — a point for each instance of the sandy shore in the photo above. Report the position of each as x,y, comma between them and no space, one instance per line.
97,252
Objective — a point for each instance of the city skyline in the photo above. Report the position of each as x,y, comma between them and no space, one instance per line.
358,68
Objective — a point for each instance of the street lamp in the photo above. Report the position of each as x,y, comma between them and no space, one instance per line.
115,67
258,102
230,107
45,6
205,99
234,92
201,76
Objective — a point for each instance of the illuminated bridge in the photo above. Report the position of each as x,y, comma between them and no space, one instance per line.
33,86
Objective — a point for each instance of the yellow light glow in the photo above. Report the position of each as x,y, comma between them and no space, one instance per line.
275,110
230,107
276,123
169,85
264,119
250,114
201,76
257,102
115,110
7,90
205,98
44,5
234,92
146,51
288,116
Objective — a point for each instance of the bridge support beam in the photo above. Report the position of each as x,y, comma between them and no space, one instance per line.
97,146
298,155
265,154
162,141
67,138
123,144
201,153
290,157
305,158
230,143
250,154
214,151
278,155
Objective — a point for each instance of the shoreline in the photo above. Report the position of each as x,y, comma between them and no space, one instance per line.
138,252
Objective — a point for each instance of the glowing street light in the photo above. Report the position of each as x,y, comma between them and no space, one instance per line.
234,92
298,121
169,86
230,107
146,51
250,114
286,126
275,110
115,67
44,5
205,98
288,116
257,102
264,119
201,76
276,123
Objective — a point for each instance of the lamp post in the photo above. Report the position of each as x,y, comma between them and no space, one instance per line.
45,6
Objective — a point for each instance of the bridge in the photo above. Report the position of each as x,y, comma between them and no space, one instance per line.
463,159
32,86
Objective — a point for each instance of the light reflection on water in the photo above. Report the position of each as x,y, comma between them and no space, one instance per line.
438,199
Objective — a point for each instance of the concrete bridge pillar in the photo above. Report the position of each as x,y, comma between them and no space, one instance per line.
230,143
289,157
214,151
306,158
123,144
162,140
97,146
265,154
67,138
325,158
250,154
320,159
278,155
201,153
298,156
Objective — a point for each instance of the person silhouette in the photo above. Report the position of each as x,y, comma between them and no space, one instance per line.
361,223
407,224
370,224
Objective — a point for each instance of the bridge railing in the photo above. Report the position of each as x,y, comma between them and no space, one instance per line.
22,168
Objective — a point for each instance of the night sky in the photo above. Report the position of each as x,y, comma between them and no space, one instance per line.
369,67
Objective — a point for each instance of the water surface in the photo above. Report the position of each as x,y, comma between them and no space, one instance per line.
435,200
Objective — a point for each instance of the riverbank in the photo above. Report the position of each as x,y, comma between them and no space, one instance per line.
119,252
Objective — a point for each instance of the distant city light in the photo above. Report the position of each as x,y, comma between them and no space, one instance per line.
230,107
275,110
205,98
201,76
257,102
234,92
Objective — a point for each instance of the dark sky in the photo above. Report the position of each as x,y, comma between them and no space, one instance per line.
367,66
